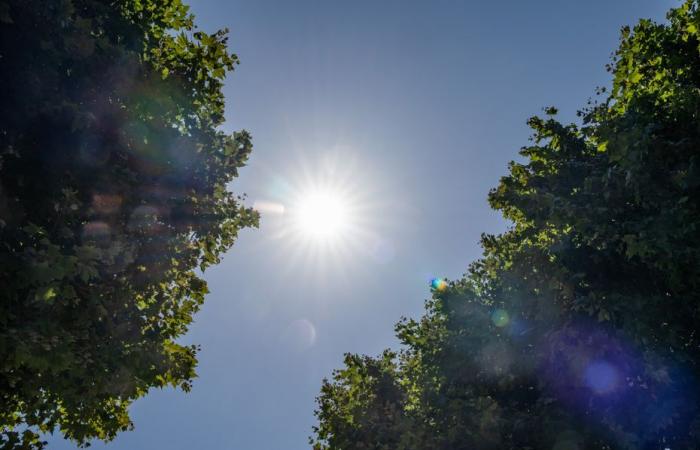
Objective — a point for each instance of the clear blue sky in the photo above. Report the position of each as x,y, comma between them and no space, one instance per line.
419,105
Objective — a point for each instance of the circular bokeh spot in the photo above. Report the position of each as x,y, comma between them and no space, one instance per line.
500,318
601,377
438,284
300,335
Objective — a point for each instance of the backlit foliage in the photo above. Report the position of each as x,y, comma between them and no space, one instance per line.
113,195
578,327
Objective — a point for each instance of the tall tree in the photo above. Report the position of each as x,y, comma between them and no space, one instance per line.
113,196
578,327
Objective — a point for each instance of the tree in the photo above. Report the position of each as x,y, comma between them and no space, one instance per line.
113,196
578,327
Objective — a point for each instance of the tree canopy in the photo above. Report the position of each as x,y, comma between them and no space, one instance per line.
577,329
113,199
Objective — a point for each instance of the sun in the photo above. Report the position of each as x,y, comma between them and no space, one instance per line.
322,215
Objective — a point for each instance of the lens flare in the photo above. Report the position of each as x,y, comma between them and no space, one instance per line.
500,318
266,207
601,377
438,284
299,335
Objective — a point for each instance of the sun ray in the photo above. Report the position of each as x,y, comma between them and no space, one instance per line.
326,216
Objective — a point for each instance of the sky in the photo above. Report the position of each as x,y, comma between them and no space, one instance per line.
411,110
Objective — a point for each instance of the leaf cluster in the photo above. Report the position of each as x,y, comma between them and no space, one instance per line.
578,327
113,198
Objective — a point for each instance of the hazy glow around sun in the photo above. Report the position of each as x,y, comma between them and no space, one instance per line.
322,214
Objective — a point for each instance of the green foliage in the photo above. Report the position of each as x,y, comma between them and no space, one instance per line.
578,327
113,195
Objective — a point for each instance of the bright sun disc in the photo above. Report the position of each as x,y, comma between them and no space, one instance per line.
322,215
